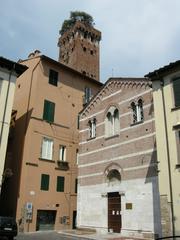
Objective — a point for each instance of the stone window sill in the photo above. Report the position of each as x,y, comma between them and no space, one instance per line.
89,139
46,160
136,123
175,108
111,137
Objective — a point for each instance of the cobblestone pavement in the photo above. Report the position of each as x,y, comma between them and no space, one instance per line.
53,235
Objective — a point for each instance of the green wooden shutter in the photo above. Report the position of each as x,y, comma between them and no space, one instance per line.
49,109
44,182
176,88
60,184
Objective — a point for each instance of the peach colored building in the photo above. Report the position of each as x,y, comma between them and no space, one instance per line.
117,179
43,189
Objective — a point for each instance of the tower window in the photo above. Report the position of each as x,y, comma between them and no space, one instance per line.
87,94
84,49
91,52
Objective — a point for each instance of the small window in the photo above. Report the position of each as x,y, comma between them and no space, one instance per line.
137,111
44,182
60,184
78,121
77,155
53,77
92,128
47,148
87,94
176,89
112,124
76,185
49,109
62,153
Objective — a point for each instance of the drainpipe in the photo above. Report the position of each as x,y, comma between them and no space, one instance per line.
169,160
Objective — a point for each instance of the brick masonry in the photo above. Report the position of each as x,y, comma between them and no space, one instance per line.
131,151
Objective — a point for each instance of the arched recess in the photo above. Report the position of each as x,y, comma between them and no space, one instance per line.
113,172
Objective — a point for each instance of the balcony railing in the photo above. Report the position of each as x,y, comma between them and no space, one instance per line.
63,165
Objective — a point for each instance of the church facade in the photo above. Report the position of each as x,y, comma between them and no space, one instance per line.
117,164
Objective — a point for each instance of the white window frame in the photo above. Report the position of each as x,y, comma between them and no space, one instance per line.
62,153
137,111
47,148
92,128
112,123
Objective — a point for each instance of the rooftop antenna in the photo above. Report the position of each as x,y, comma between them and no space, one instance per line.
112,72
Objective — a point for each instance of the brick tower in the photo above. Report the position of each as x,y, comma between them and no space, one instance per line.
79,49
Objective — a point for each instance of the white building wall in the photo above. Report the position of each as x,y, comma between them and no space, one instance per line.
140,193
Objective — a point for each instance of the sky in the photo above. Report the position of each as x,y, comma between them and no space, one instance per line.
138,36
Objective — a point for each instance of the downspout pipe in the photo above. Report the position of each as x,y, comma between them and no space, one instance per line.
168,159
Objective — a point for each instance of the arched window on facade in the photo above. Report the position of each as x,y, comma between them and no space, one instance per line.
92,128
114,175
137,111
112,124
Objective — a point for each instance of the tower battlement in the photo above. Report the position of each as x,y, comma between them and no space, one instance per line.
79,49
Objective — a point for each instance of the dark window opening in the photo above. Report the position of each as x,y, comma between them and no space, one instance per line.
114,175
53,77
176,89
76,185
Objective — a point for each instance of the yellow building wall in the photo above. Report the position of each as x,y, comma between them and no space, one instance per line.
5,113
167,119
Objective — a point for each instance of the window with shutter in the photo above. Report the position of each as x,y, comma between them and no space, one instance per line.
176,89
49,109
53,77
60,184
44,182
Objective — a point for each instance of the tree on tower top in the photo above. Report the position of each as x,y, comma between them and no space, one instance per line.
74,17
